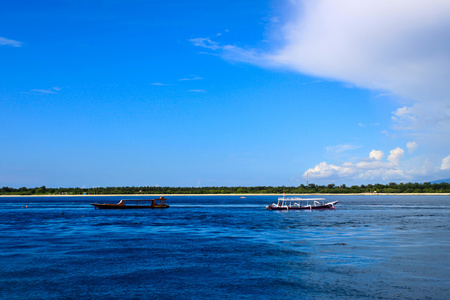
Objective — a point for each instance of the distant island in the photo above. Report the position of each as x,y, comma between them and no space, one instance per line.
391,188
442,180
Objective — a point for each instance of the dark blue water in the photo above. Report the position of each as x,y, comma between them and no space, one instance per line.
381,247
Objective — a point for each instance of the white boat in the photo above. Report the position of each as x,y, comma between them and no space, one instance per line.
296,203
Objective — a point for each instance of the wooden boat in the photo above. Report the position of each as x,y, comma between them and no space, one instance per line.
133,204
295,203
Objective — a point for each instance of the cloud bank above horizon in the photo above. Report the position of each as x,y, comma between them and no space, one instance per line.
399,48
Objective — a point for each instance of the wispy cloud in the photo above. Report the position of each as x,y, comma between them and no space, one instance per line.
159,83
8,42
380,95
220,33
191,77
205,43
53,90
341,148
370,124
232,52
312,82
197,91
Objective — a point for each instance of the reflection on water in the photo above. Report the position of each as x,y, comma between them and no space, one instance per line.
225,247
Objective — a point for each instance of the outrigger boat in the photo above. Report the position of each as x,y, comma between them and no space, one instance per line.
134,203
295,203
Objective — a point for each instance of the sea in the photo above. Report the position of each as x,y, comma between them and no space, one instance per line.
225,247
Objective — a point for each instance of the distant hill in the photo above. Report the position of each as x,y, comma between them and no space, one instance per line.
441,181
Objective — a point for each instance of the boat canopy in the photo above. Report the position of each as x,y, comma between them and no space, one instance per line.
287,203
296,201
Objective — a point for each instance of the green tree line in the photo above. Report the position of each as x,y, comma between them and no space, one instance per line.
302,189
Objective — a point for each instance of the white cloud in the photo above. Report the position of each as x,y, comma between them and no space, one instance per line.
375,168
424,118
376,154
197,91
400,48
404,118
397,48
7,42
364,170
412,146
446,163
159,83
380,44
372,168
324,170
396,155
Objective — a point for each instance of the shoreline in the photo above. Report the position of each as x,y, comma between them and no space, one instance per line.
240,195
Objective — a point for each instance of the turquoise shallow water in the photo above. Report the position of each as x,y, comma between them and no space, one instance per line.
383,247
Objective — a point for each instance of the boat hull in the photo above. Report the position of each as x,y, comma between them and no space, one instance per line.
116,206
309,207
134,204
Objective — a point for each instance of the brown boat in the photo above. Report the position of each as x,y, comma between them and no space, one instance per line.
134,203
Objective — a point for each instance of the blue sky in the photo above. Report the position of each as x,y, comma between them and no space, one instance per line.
223,93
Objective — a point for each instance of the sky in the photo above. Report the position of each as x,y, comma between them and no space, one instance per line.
223,93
